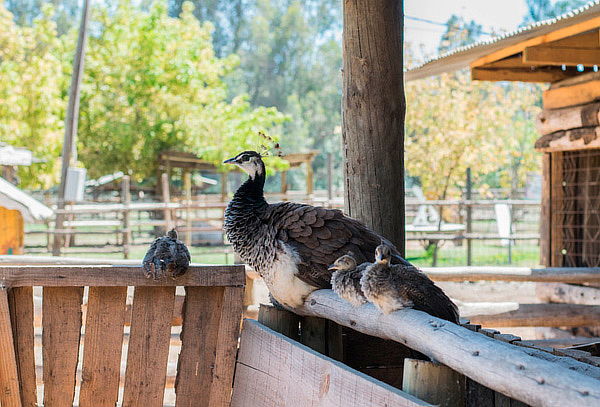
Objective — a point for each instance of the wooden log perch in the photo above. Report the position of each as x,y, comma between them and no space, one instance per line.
500,366
549,274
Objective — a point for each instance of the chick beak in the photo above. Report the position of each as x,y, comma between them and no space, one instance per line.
333,267
230,161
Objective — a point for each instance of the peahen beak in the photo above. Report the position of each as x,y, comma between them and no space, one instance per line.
230,161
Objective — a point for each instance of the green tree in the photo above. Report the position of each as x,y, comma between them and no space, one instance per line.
153,83
32,97
538,10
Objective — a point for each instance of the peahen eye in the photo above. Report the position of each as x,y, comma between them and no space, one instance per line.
245,157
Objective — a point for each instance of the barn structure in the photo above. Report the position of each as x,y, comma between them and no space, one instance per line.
564,52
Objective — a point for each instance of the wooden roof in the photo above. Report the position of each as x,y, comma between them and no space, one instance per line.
547,51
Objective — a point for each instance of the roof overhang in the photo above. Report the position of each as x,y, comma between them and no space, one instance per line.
546,51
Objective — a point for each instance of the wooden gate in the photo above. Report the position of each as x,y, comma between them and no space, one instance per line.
209,312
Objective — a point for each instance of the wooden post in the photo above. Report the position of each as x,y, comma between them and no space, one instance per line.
469,217
126,200
373,115
166,195
437,384
224,186
280,320
309,178
557,219
187,182
329,178
69,150
283,178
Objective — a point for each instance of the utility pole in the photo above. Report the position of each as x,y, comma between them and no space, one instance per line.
373,115
69,151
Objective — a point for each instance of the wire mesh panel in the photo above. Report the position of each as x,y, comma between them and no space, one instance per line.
577,206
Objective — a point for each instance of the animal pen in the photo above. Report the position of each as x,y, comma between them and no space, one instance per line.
326,352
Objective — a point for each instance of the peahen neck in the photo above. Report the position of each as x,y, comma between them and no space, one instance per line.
251,192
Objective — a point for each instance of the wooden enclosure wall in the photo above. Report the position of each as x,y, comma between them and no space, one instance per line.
210,318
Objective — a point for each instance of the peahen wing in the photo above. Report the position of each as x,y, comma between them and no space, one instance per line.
319,236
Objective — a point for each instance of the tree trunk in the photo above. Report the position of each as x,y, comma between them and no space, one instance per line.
373,115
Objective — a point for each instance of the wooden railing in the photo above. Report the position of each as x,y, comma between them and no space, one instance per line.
210,316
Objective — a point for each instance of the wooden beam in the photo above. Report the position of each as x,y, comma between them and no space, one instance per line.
578,94
561,33
568,294
552,315
552,55
115,276
520,75
551,121
296,375
550,274
575,139
500,366
9,377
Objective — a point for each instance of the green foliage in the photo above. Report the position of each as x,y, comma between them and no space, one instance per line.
538,10
32,100
153,83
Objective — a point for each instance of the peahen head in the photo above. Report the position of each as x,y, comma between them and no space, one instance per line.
345,263
250,162
383,254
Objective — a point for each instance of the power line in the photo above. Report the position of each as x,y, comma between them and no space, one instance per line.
424,20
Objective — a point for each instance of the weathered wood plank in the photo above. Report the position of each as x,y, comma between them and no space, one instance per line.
437,384
112,276
583,138
553,315
21,313
522,75
148,346
551,121
61,321
103,344
9,376
273,370
207,358
578,94
280,320
558,56
551,274
546,210
532,380
568,294
558,218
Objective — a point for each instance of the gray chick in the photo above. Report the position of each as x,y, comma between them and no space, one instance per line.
167,254
345,280
394,286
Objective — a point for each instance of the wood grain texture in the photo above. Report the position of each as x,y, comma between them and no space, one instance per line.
280,320
552,315
520,75
112,276
61,322
9,376
148,346
546,210
550,274
578,94
273,370
583,138
568,294
521,373
373,115
103,346
21,313
551,121
209,343
558,56
437,384
558,218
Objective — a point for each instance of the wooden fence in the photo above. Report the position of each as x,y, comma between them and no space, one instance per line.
95,297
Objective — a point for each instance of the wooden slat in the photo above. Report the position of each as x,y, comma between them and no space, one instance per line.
553,315
520,373
557,220
21,310
9,376
102,346
553,55
148,346
550,274
273,370
572,95
521,75
209,343
112,276
61,321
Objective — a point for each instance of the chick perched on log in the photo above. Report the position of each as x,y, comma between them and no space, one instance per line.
345,280
394,286
166,255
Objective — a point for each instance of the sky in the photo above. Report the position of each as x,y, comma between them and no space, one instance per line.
493,15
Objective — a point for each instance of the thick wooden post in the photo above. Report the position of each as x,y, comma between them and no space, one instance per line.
373,115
